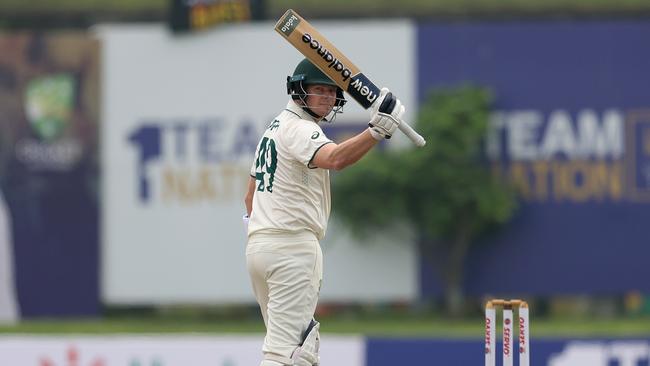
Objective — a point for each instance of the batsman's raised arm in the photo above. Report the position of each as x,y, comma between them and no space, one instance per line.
338,156
324,55
383,122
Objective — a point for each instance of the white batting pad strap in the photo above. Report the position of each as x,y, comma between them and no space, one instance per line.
307,353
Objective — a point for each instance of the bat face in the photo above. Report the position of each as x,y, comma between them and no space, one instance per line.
328,58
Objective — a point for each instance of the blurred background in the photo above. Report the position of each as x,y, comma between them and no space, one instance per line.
127,129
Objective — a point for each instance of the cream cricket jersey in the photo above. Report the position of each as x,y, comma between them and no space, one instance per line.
291,195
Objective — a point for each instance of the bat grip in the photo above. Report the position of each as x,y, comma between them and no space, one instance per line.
406,129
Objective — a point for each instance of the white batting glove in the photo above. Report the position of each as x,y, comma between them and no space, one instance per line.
386,115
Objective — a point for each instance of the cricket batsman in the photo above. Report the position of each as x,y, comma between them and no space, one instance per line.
288,206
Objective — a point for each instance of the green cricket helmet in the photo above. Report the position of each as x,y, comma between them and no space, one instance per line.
307,74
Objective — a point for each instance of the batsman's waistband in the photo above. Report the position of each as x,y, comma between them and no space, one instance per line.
283,236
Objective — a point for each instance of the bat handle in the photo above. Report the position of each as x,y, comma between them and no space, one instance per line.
406,129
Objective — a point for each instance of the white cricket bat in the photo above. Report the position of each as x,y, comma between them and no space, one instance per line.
304,37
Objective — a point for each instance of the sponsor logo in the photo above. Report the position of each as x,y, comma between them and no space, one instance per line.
49,107
601,353
205,13
72,358
364,88
325,54
289,23
315,135
191,161
583,156
522,335
488,335
506,337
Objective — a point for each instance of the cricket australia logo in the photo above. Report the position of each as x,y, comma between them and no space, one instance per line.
49,104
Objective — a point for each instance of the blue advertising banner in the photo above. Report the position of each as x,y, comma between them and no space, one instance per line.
571,130
48,169
544,352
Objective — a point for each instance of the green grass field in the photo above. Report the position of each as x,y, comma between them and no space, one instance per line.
370,326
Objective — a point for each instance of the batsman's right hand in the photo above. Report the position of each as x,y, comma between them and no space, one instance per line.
386,115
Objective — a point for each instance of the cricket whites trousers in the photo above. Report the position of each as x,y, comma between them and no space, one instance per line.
286,272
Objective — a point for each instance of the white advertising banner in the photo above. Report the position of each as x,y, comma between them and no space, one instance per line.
160,350
182,116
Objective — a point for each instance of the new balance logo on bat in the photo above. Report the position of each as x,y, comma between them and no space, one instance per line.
363,90
324,53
